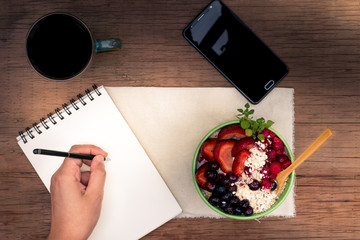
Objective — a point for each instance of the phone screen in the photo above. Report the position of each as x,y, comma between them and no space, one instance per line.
235,51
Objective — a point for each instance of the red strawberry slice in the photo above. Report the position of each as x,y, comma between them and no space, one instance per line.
239,162
223,155
207,149
244,143
233,131
200,175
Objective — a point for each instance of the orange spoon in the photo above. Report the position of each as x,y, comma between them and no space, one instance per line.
282,176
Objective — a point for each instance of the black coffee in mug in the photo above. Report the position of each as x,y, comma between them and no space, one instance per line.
59,46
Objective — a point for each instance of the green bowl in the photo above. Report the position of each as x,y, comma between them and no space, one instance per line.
279,201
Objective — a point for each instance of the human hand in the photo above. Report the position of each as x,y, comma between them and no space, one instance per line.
76,196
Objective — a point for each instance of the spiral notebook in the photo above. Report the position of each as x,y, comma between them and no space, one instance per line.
136,199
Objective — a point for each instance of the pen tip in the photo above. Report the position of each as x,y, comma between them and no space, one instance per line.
36,151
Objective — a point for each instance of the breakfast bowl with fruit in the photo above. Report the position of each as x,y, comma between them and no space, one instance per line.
236,164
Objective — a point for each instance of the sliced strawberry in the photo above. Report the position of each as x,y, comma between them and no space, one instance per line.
239,162
244,143
233,131
223,155
207,149
200,175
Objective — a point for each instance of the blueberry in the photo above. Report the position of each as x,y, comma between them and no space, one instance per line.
232,177
219,190
237,210
274,185
213,165
211,175
248,211
232,188
221,175
234,201
255,185
228,210
226,181
226,196
244,203
223,204
210,186
213,200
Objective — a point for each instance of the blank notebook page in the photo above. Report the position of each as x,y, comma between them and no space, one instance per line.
136,199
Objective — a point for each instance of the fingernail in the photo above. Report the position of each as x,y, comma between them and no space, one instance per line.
99,158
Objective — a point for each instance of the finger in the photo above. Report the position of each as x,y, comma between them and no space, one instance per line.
97,177
87,162
67,177
70,168
88,149
85,178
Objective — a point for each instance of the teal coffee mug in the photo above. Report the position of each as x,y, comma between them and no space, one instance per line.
60,46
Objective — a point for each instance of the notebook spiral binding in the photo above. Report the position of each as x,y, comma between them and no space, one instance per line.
60,114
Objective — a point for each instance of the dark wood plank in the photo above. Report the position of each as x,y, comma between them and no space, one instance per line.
319,41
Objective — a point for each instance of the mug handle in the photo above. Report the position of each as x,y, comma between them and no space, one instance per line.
106,45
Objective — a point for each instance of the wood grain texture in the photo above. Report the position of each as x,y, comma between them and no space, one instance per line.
318,40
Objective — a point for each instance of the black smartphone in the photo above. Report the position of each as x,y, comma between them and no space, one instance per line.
235,51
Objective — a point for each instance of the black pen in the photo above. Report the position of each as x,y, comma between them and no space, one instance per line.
64,154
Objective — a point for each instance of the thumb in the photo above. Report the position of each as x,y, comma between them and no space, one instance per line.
97,176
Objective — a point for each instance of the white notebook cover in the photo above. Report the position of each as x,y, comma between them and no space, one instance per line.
136,199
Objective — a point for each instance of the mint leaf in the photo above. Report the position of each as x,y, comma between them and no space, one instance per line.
261,137
269,123
244,124
248,132
261,128
252,127
260,121
255,125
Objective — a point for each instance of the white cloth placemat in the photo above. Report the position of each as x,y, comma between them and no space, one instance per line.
170,123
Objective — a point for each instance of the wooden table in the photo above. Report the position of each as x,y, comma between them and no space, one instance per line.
319,41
